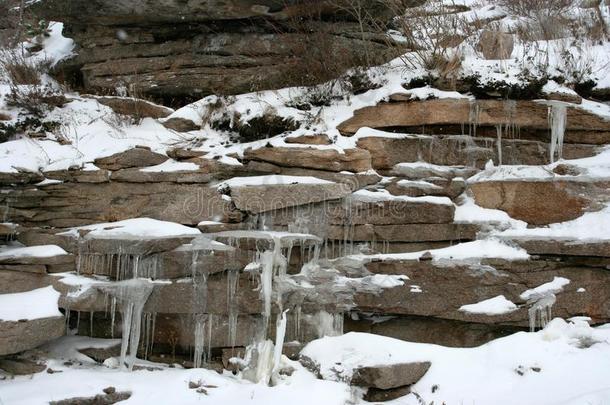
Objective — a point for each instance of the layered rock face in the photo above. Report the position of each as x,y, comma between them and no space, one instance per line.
176,50
315,231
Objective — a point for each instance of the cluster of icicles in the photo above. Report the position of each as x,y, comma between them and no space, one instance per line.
557,122
133,275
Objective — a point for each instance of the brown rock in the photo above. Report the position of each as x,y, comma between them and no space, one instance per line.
353,160
318,139
180,124
391,213
16,337
377,395
79,176
21,366
136,157
459,150
59,259
564,247
565,97
452,114
460,283
28,268
448,188
529,200
184,154
134,107
135,175
100,355
406,232
77,204
258,55
431,330
8,229
18,281
389,376
20,178
263,198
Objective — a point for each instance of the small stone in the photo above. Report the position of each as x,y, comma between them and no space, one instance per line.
390,376
426,257
109,390
194,384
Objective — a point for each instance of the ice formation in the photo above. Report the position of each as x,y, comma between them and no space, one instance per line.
132,294
557,122
540,313
203,339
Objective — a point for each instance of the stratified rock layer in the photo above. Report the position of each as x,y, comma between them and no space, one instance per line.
172,49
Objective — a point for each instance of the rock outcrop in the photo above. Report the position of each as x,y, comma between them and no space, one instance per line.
361,238
177,51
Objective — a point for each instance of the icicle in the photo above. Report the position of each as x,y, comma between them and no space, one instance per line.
150,319
499,143
267,282
280,334
540,312
297,322
133,295
327,324
557,122
67,320
199,341
232,284
112,316
260,358
473,118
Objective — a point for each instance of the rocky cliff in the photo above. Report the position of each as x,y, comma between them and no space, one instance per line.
177,51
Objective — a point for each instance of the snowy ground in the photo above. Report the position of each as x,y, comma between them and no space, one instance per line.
566,363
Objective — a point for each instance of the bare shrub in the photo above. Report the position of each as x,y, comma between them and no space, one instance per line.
334,37
537,9
432,33
20,69
36,100
267,125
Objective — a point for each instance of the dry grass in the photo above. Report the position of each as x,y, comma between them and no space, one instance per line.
20,69
433,35
537,9
36,100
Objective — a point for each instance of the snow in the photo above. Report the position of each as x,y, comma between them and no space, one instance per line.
134,228
30,305
384,195
552,87
551,287
493,306
172,166
591,226
271,180
165,385
516,172
55,46
479,249
31,251
543,368
427,92
469,212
